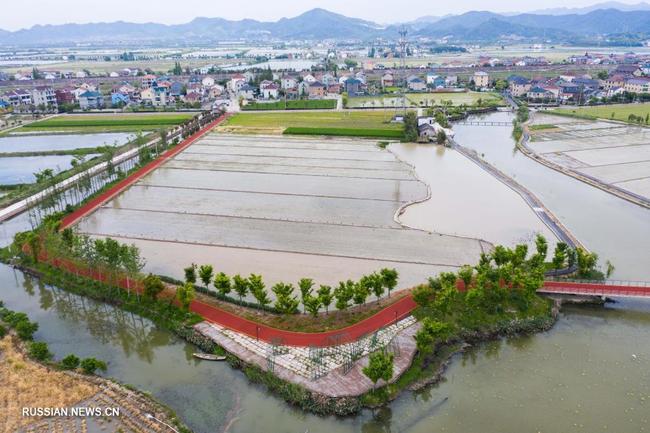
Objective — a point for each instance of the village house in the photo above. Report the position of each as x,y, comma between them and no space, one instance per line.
44,97
518,86
246,91
416,84
317,90
148,81
288,83
387,80
269,90
91,100
215,91
481,79
18,98
64,96
353,87
539,93
637,85
207,82
236,82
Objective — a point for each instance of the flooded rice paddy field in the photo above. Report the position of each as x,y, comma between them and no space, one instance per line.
467,200
614,153
328,204
590,373
35,143
17,170
614,228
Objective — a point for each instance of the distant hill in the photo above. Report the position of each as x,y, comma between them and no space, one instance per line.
320,24
642,6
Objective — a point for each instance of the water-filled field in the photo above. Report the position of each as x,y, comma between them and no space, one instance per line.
613,153
293,208
16,170
39,143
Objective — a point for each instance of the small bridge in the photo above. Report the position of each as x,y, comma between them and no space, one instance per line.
631,289
482,123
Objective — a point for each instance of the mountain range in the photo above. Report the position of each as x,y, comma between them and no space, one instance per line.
319,24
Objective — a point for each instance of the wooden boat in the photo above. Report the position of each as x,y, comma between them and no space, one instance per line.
209,357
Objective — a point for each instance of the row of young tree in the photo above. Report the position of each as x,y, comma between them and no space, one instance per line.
287,300
109,259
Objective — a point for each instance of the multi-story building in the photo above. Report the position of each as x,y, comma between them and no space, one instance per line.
44,97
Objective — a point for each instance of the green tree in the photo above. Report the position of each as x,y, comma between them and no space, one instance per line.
70,362
441,137
430,332
205,274
344,293
559,255
222,283
380,366
91,365
361,290
285,302
376,284
240,286
26,329
465,273
326,297
410,126
541,246
185,294
258,289
306,287
190,274
312,304
153,286
39,351
389,278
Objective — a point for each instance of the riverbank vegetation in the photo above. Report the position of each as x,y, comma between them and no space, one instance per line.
496,297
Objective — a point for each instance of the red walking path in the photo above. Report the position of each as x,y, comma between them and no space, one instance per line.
389,315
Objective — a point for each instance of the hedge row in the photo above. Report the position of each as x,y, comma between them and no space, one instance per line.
353,132
301,104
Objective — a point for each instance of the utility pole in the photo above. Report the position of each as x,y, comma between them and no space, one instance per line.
402,64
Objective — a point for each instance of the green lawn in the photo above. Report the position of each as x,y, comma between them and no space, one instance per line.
335,120
426,99
614,111
107,122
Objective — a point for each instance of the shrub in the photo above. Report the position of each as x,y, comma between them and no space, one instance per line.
39,351
90,365
3,331
26,329
70,362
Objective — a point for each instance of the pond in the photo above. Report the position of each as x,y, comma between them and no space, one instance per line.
17,170
36,143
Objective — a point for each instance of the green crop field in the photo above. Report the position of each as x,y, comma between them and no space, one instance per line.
107,122
304,104
426,99
350,132
277,122
615,111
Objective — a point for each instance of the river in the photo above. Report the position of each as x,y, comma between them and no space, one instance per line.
590,373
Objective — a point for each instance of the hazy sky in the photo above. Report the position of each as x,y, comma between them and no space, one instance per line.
19,14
